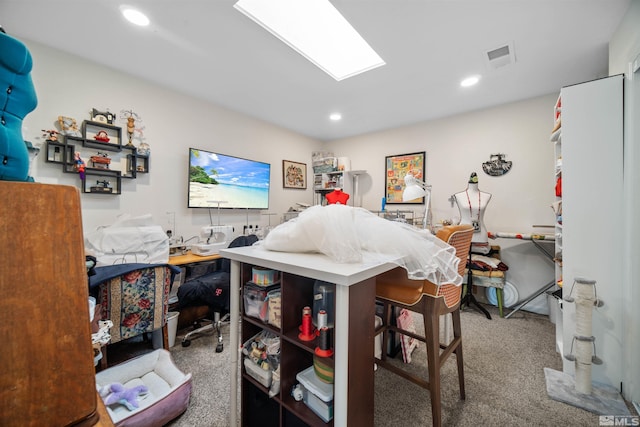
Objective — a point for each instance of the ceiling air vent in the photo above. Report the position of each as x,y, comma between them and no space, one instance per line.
500,56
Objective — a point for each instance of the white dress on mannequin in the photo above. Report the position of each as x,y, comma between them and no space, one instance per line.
472,203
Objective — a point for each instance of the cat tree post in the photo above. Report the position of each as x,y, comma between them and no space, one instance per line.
585,342
578,390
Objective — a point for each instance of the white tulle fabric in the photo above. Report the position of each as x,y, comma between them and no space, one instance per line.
352,235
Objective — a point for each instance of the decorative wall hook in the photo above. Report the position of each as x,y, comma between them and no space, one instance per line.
497,165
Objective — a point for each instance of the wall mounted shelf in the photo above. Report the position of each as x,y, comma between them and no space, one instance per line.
107,160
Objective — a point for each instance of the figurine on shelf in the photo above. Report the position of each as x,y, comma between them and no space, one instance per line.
100,160
102,136
132,120
50,134
102,186
69,126
144,149
79,164
131,126
102,116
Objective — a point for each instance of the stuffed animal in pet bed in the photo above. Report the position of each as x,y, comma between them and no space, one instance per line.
117,393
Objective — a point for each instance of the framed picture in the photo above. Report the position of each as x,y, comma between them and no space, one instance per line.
396,167
294,175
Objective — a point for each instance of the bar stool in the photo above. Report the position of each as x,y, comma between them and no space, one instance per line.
395,289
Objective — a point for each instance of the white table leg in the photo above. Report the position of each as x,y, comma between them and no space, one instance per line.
235,322
341,356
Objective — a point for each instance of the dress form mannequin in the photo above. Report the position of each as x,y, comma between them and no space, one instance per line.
17,99
472,203
337,196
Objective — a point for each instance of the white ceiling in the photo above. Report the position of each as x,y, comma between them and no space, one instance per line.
207,49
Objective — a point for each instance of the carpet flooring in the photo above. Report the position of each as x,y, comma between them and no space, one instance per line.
504,363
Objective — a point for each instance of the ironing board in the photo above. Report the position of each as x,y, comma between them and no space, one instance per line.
535,239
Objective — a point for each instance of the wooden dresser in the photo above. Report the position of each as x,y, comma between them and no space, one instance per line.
48,375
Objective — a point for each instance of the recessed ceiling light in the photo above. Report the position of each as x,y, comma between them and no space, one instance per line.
335,117
470,81
134,16
317,31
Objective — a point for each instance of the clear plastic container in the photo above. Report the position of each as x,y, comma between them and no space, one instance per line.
323,299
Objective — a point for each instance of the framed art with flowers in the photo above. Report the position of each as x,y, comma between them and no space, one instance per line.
294,175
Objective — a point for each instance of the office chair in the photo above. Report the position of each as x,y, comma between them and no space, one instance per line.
211,290
395,289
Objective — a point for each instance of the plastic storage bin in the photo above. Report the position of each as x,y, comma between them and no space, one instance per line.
323,299
317,395
326,164
262,356
256,300
264,277
263,376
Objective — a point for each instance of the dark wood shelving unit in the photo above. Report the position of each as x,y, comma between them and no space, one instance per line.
295,356
62,152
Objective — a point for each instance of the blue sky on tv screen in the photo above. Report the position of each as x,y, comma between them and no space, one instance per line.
232,170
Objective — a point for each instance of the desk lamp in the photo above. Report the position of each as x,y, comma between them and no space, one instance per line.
415,188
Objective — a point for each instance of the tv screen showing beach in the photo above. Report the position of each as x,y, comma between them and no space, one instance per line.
234,182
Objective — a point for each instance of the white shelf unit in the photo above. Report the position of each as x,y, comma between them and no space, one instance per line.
346,181
556,139
592,204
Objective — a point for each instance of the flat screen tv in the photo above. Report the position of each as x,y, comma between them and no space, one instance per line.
234,182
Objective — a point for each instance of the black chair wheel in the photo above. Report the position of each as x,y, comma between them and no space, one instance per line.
219,348
186,343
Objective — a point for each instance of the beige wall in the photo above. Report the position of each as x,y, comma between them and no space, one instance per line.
457,146
68,85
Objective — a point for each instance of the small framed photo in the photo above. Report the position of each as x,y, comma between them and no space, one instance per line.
396,167
294,175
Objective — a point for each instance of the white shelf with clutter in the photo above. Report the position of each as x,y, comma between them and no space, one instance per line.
555,313
334,173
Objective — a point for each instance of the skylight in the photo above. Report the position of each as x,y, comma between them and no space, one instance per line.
316,30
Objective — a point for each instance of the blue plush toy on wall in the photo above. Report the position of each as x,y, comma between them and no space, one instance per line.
17,99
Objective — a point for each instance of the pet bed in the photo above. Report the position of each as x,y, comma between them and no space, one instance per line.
169,389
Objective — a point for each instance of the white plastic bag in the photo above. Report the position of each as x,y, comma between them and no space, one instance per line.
129,240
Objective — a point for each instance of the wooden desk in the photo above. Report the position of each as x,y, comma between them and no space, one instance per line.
354,324
190,258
